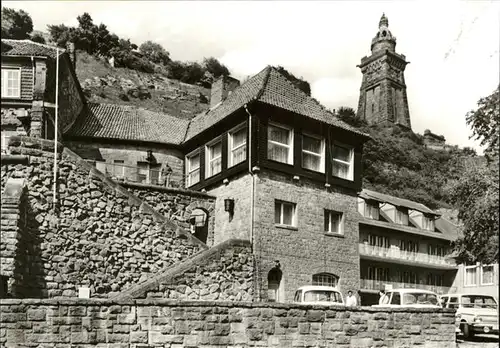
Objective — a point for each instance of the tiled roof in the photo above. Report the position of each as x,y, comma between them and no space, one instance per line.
271,87
125,122
28,48
381,197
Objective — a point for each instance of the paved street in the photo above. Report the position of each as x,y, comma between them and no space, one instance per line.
486,341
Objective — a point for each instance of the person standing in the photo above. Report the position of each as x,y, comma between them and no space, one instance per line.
381,293
350,300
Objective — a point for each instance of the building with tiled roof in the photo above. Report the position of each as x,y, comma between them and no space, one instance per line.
403,244
29,90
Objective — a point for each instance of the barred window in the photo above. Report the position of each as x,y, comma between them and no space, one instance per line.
326,279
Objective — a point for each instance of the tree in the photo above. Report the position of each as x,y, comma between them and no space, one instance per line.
485,123
476,194
215,68
301,84
62,34
348,115
37,37
155,52
16,24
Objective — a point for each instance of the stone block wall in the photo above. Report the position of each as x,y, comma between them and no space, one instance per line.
99,235
178,204
304,250
160,323
223,272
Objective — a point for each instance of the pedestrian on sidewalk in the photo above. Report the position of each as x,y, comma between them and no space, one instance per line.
351,300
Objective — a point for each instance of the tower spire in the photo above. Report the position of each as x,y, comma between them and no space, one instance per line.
384,22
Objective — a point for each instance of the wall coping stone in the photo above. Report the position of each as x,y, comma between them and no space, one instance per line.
14,159
199,303
199,258
187,192
13,189
34,143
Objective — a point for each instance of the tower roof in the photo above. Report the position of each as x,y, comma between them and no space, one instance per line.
384,38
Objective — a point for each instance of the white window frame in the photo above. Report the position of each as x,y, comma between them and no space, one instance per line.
190,170
5,82
208,160
289,146
399,213
329,224
370,208
465,275
350,175
321,155
492,271
230,148
294,213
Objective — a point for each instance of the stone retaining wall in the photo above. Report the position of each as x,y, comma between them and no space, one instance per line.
160,323
224,272
100,235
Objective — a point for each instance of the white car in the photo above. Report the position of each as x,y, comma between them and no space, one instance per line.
318,294
476,313
415,298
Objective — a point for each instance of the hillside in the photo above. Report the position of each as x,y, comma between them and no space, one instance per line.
154,91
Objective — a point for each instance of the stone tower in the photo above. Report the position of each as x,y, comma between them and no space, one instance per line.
382,97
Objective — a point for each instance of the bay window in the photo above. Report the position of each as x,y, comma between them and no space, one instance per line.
313,153
280,143
343,162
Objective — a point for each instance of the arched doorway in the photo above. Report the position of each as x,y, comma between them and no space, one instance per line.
198,221
275,288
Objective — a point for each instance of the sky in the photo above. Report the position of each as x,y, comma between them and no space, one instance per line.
452,45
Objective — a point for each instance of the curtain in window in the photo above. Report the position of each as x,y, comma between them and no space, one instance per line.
470,276
194,169
278,144
239,147
311,153
487,275
215,165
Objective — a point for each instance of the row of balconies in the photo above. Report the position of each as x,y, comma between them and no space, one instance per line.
394,253
370,284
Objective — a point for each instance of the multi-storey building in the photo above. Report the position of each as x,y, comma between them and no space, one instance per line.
403,244
29,90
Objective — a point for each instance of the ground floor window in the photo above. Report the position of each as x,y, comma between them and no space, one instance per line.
326,279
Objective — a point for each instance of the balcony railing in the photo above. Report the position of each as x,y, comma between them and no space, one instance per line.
395,254
370,284
141,175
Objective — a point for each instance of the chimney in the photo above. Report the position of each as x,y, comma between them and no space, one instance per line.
221,88
70,47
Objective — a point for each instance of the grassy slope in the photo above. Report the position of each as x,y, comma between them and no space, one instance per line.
169,96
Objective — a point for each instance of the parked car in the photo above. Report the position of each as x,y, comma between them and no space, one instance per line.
409,298
318,294
475,313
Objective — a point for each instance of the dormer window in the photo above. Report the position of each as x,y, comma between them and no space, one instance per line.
372,210
11,83
280,143
343,158
428,223
402,216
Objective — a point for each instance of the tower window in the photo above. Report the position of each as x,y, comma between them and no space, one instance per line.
384,33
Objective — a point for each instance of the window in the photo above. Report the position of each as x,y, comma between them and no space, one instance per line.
326,279
237,145
378,273
313,153
428,223
409,245
118,169
402,216
284,213
213,158
487,275
470,275
280,144
342,162
334,222
435,279
396,298
192,169
11,83
408,277
372,210
380,241
453,303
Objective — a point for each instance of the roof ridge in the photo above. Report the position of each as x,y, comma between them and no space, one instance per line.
38,44
264,82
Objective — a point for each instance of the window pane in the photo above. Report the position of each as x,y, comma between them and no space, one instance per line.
279,135
277,212
311,144
287,214
215,166
487,274
341,170
239,137
311,162
342,153
194,162
277,152
239,154
194,177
